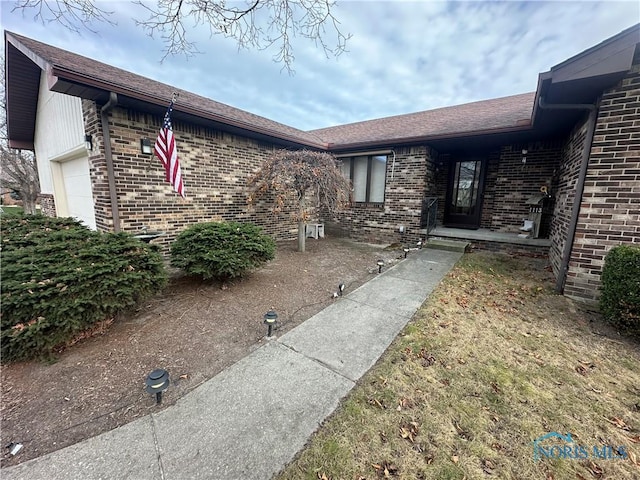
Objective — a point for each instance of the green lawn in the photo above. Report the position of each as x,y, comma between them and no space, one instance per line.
11,210
493,360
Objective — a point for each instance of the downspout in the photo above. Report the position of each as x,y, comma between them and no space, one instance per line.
584,165
104,119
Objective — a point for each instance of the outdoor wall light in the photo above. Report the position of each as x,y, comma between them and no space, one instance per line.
380,264
406,251
269,320
340,289
156,383
145,146
88,142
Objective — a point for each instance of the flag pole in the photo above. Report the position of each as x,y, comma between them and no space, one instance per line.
165,150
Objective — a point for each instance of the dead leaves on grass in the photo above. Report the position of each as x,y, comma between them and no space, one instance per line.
585,368
426,359
596,470
635,439
409,431
488,466
463,301
498,447
618,422
385,469
462,433
405,404
376,403
531,349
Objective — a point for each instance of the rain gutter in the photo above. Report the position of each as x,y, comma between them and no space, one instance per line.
189,109
108,155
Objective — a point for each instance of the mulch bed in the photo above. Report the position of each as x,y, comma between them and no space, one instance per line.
194,329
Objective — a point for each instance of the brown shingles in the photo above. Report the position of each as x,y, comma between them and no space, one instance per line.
488,115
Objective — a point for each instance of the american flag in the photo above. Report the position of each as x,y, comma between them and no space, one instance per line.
165,150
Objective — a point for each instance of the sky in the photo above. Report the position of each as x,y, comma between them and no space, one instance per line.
402,56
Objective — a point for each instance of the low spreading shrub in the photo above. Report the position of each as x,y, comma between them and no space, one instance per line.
60,278
221,250
620,298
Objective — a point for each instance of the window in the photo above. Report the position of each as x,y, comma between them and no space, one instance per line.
368,177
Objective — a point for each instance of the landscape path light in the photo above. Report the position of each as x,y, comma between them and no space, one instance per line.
405,250
269,320
156,383
419,244
340,289
380,264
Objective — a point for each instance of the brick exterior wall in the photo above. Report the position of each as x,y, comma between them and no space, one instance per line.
440,183
508,183
97,167
509,248
47,204
490,181
516,182
215,166
406,186
564,193
610,209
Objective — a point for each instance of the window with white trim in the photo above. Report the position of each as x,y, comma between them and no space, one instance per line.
368,176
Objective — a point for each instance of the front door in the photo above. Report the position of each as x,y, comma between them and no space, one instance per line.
464,194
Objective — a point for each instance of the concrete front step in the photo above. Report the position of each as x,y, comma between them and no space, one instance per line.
448,245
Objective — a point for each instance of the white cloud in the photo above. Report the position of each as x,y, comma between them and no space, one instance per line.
403,57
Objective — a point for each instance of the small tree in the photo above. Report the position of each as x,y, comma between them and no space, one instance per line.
301,181
19,174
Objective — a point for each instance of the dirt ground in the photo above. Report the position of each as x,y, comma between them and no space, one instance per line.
193,329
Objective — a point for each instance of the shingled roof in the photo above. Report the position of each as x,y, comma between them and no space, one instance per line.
512,116
78,69
488,116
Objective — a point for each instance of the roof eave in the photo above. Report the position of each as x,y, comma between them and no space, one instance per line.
24,96
21,144
426,139
75,77
593,70
611,45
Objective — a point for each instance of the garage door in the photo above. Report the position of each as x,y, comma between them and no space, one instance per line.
77,185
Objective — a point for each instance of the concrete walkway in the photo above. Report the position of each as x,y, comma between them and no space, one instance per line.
249,421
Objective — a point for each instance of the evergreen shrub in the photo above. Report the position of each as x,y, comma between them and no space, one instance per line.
59,278
221,250
620,298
